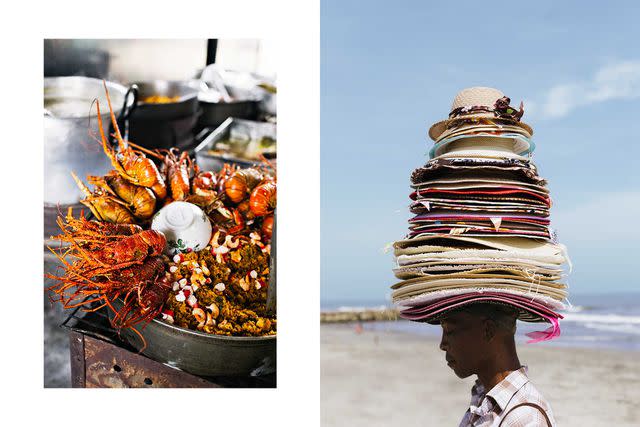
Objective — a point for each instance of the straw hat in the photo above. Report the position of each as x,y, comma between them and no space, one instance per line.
486,145
477,103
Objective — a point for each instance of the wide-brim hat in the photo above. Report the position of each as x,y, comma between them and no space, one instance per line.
504,144
478,104
525,309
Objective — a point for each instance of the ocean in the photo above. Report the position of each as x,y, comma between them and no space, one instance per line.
610,321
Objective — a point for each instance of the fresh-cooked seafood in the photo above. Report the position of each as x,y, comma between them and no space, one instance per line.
223,289
133,249
267,227
128,251
177,173
235,198
244,208
92,234
208,192
144,272
133,166
109,262
98,251
239,222
113,259
104,206
241,182
263,199
142,303
140,200
223,175
204,184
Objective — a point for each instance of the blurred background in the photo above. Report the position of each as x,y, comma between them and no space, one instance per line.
128,60
215,98
388,72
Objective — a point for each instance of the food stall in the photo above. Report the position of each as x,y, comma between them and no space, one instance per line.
159,215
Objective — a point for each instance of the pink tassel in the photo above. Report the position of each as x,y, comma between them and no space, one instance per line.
548,334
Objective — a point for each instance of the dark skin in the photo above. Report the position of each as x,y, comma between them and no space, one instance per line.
475,344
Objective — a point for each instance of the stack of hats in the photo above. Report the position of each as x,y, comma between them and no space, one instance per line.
480,230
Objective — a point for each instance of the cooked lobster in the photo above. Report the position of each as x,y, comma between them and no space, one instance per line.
105,262
132,165
104,206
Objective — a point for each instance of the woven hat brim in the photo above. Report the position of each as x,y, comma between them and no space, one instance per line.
507,143
427,298
525,312
476,129
522,314
487,154
436,130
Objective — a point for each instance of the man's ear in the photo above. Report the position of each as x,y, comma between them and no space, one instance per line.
489,329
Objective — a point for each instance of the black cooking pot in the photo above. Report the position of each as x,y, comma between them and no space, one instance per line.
243,105
215,113
185,105
163,125
165,134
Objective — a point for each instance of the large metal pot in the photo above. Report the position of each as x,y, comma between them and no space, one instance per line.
70,126
204,354
165,125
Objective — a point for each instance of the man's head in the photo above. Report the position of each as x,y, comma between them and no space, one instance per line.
474,335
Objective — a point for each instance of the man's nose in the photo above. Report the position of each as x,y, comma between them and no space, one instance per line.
443,343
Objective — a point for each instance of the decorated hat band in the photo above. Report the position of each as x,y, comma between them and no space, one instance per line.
501,110
479,104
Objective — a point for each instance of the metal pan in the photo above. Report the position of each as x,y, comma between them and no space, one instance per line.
212,162
204,354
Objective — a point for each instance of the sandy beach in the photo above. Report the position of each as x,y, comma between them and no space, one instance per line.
383,378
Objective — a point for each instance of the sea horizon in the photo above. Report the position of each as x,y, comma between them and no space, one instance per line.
593,320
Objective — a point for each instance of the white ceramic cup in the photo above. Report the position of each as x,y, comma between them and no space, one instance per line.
186,227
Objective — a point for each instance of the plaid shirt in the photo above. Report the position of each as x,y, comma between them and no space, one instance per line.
488,409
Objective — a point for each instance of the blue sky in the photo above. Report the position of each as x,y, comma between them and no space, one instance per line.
391,69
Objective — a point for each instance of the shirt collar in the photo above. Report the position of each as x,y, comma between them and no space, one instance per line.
477,396
477,389
502,392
